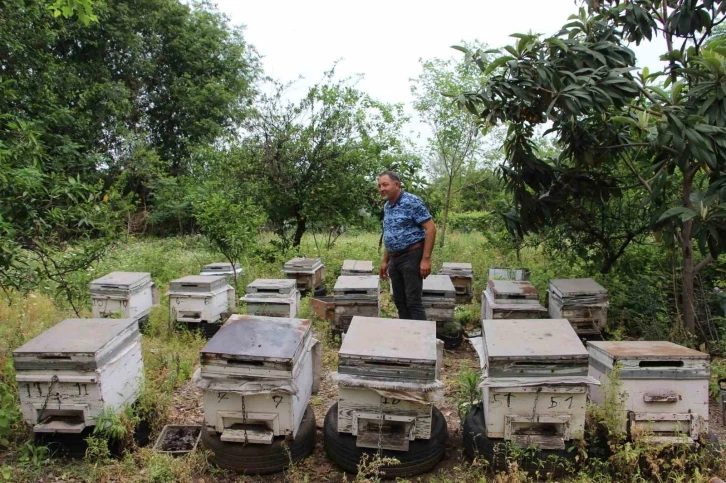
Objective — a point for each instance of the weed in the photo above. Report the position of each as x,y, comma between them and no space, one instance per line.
468,393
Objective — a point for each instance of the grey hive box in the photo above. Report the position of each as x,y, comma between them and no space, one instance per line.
536,389
87,365
249,369
462,276
309,272
222,268
357,267
130,294
201,298
582,301
511,299
512,291
665,385
439,298
516,274
272,297
355,295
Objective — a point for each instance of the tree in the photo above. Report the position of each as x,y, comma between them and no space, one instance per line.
670,137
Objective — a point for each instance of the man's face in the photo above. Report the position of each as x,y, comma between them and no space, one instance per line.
388,188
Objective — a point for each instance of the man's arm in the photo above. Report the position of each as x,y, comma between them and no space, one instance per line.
429,241
383,269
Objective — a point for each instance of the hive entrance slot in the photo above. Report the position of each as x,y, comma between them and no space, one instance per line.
388,364
233,362
55,358
60,421
189,285
109,286
660,364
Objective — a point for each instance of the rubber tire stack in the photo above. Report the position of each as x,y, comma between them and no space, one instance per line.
321,291
262,459
478,445
422,455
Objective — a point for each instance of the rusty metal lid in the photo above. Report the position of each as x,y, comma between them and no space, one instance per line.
249,337
523,289
532,339
642,349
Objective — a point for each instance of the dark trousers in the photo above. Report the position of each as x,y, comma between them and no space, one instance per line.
407,284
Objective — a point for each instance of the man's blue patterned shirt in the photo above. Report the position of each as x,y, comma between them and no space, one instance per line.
402,222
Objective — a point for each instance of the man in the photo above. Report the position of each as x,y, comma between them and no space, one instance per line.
408,234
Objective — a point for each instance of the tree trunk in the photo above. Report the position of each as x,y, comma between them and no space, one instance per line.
445,221
687,271
299,231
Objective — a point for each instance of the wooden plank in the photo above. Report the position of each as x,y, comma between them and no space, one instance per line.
538,441
58,425
250,433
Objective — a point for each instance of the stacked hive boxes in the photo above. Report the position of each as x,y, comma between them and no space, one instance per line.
439,299
462,276
72,372
508,299
355,295
357,267
309,273
128,294
583,302
201,302
272,297
665,387
222,268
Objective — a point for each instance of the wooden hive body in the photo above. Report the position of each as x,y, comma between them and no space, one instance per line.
582,301
388,350
200,298
439,298
494,310
537,391
272,298
355,295
247,371
357,267
222,268
462,276
516,274
308,272
665,386
86,365
512,292
129,294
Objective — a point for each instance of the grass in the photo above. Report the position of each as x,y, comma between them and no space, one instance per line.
170,358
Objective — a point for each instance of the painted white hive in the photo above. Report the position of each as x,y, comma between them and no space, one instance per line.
665,386
439,298
494,310
130,294
200,298
272,298
357,267
355,295
222,268
87,365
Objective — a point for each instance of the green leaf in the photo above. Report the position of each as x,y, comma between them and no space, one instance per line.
685,213
498,62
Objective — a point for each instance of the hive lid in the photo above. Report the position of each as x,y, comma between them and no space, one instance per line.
272,286
532,339
518,274
221,268
512,289
390,339
640,349
438,285
454,268
255,338
357,266
198,284
116,282
79,336
513,307
300,264
573,287
357,286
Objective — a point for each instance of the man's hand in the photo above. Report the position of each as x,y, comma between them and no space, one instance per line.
383,271
425,267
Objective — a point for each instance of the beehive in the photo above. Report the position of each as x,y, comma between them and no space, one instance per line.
387,371
270,297
200,298
309,272
357,267
515,274
257,374
535,382
462,276
128,294
222,268
507,299
355,295
439,298
70,373
665,387
582,301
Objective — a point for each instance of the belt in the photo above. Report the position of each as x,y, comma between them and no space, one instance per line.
408,249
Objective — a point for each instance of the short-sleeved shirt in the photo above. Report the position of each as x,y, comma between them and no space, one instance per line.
402,222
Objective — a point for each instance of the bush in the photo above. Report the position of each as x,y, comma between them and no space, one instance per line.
481,221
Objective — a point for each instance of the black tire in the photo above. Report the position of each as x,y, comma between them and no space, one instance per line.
262,459
498,452
452,342
320,291
421,457
206,330
144,324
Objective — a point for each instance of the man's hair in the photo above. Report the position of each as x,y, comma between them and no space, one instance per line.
394,177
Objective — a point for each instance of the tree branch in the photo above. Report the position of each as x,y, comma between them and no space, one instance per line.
703,263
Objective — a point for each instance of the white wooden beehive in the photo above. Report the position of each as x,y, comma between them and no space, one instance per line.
272,297
309,272
258,374
355,295
462,276
357,267
503,310
535,382
200,298
222,268
439,298
582,301
384,368
70,373
664,385
128,294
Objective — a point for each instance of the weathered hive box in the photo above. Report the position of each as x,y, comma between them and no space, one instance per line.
665,387
516,274
222,268
200,298
355,295
257,374
511,299
582,301
534,385
462,276
309,272
439,298
357,267
130,294
272,297
70,373
387,381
